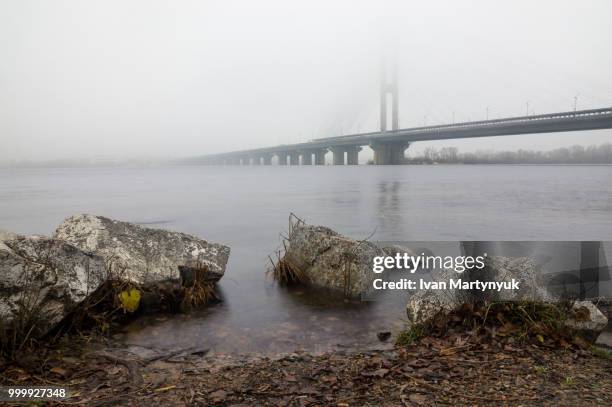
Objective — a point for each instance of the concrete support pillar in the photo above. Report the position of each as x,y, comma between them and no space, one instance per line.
282,158
256,160
267,159
338,153
294,158
307,157
320,157
245,161
352,155
389,153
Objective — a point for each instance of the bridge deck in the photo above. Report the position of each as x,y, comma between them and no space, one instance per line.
546,123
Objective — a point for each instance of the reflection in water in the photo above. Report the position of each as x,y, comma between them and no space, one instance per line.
389,203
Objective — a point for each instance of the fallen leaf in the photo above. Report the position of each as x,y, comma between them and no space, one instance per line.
59,371
218,395
417,399
130,299
329,379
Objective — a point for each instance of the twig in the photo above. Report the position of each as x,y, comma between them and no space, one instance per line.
129,364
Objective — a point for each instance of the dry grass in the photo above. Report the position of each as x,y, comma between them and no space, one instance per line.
539,323
200,292
283,270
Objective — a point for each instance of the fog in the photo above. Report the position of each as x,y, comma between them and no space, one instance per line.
145,78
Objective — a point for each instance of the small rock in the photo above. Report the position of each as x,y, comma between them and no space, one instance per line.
418,399
218,396
587,319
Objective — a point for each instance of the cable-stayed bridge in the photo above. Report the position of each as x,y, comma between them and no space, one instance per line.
389,146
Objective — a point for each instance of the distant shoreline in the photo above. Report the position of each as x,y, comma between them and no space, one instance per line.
41,166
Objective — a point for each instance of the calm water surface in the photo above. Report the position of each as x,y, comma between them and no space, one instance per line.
247,208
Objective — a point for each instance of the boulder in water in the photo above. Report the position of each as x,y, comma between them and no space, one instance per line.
329,260
145,255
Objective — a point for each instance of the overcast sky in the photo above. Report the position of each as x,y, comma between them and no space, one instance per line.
179,78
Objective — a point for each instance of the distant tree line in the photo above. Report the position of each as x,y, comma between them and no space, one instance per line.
601,154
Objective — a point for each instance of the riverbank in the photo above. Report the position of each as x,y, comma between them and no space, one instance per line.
441,371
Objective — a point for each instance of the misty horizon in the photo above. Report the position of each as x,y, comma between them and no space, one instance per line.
146,80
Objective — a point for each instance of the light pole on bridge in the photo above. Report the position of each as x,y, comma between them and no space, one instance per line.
576,101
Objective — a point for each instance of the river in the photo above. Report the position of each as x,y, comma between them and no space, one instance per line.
247,208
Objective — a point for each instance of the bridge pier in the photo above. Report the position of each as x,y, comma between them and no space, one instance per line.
320,156
256,160
267,159
338,155
352,155
306,157
294,158
282,158
389,152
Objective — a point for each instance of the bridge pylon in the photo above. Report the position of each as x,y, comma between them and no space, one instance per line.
388,85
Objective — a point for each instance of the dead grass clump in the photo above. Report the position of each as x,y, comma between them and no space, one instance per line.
199,290
532,322
283,270
21,332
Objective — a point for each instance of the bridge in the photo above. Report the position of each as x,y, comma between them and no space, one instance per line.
389,146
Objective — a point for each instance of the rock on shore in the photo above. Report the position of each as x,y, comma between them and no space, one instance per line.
46,278
587,319
424,305
43,279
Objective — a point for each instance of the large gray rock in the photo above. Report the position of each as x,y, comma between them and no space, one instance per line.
330,260
144,255
43,279
423,305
